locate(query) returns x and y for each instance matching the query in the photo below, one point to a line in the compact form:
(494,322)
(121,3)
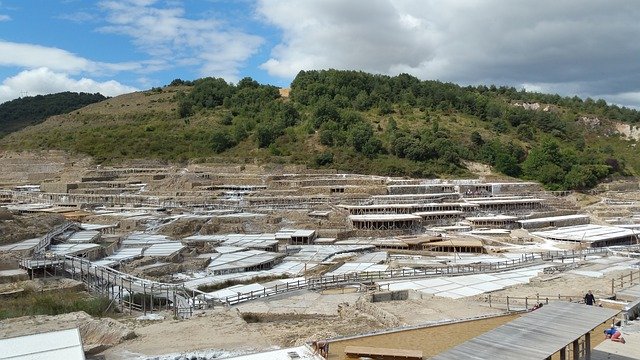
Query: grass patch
(52,303)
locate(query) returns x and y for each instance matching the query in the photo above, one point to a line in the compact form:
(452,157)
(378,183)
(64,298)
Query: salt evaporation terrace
(220,236)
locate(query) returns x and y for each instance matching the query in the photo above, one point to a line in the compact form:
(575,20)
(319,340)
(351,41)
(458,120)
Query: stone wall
(390,296)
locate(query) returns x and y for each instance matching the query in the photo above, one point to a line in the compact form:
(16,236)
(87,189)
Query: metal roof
(536,335)
(54,345)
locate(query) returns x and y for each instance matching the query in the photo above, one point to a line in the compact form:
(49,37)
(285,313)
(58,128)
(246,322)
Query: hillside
(356,122)
(20,113)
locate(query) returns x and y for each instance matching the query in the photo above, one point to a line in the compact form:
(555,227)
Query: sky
(588,48)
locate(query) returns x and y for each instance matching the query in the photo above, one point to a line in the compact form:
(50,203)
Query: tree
(476,139)
(507,164)
(360,134)
(266,134)
(323,159)
(221,140)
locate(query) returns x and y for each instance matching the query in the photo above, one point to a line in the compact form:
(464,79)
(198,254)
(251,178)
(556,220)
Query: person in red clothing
(614,334)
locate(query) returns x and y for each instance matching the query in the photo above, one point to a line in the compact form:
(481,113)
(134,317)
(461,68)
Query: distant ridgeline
(20,113)
(358,122)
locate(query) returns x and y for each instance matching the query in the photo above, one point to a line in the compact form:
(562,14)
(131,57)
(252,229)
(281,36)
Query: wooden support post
(144,298)
(508,303)
(576,350)
(587,346)
(563,353)
(121,293)
(175,304)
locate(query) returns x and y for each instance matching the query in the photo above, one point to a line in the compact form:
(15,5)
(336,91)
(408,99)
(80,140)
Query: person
(537,306)
(614,334)
(321,347)
(589,299)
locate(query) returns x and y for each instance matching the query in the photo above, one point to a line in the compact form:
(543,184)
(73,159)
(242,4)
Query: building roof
(586,233)
(241,260)
(553,218)
(320,253)
(253,241)
(384,217)
(420,239)
(163,249)
(23,245)
(436,213)
(505,201)
(87,236)
(536,335)
(68,249)
(54,345)
(457,242)
(493,218)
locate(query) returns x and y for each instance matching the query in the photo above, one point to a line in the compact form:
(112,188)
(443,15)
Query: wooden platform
(382,353)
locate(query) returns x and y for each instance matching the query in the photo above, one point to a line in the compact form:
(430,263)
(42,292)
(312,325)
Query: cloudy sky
(570,47)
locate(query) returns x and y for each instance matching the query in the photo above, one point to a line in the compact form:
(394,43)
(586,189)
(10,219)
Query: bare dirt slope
(18,227)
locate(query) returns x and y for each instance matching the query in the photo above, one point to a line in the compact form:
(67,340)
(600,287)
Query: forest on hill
(359,122)
(22,112)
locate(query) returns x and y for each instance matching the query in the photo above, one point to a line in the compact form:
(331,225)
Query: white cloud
(78,16)
(4,17)
(34,56)
(166,33)
(46,81)
(372,36)
(31,56)
(574,45)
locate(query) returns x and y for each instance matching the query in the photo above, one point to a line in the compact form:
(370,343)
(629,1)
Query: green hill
(357,122)
(20,113)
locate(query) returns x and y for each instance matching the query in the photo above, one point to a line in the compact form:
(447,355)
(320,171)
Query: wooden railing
(328,281)
(79,267)
(630,279)
(123,287)
(45,241)
(520,303)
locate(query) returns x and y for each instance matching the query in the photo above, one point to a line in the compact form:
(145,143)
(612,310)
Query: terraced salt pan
(467,285)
